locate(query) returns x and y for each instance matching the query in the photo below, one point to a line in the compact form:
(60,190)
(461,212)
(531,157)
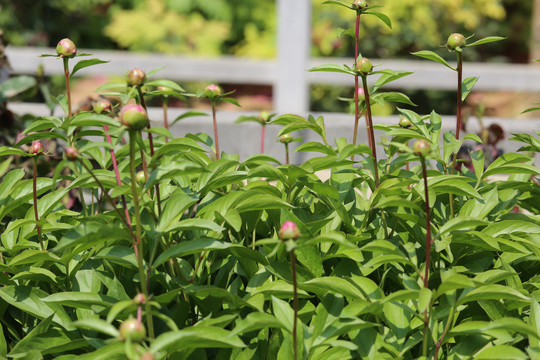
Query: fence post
(291,88)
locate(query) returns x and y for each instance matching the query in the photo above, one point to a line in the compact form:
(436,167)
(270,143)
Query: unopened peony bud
(133,330)
(456,41)
(360,4)
(421,148)
(102,106)
(404,122)
(361,95)
(141,179)
(136,77)
(364,66)
(289,231)
(285,139)
(263,117)
(36,148)
(66,48)
(214,89)
(72,153)
(134,117)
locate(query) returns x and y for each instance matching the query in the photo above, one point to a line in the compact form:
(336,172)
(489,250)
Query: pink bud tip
(36,148)
(289,231)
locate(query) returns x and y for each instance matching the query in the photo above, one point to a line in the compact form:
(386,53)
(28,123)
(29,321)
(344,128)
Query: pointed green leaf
(430,55)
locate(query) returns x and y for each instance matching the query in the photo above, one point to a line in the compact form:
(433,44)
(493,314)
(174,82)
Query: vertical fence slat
(291,89)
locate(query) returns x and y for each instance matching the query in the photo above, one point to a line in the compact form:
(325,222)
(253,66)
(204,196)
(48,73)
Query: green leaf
(467,87)
(283,313)
(385,19)
(332,284)
(333,68)
(500,352)
(98,325)
(493,292)
(92,119)
(165,83)
(79,299)
(190,247)
(256,321)
(188,114)
(86,63)
(486,40)
(15,86)
(430,55)
(195,337)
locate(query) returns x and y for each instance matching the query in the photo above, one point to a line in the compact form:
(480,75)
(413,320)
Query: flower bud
(456,41)
(102,106)
(361,95)
(364,66)
(133,117)
(136,77)
(289,231)
(72,153)
(66,48)
(264,116)
(133,330)
(147,356)
(213,89)
(141,179)
(404,122)
(421,148)
(285,139)
(140,298)
(360,4)
(36,148)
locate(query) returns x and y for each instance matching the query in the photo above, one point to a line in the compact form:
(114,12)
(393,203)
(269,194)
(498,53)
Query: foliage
(189,261)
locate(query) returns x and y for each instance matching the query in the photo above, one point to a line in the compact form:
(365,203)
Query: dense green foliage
(405,257)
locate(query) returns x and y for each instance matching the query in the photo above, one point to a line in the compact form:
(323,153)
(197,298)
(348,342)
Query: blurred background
(248,29)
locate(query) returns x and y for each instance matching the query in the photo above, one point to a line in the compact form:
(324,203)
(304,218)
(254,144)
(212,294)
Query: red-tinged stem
(119,182)
(150,138)
(262,138)
(459,101)
(428,252)
(35,205)
(215,129)
(287,154)
(68,91)
(446,328)
(295,305)
(138,227)
(165,114)
(371,135)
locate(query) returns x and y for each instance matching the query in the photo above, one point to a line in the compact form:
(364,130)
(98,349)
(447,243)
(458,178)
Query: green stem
(138,229)
(295,305)
(165,114)
(371,135)
(36,215)
(446,328)
(459,70)
(287,154)
(356,105)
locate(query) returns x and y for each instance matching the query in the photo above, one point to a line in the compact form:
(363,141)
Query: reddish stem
(68,92)
(459,101)
(215,129)
(35,204)
(371,135)
(356,105)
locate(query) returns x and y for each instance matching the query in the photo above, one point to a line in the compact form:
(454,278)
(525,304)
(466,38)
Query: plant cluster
(174,249)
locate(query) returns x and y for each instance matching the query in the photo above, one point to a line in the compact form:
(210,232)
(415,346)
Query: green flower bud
(361,95)
(66,48)
(456,41)
(141,179)
(285,139)
(136,77)
(102,106)
(134,117)
(360,4)
(421,148)
(364,66)
(264,116)
(133,330)
(404,122)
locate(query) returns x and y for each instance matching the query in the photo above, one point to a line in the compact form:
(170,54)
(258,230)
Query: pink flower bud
(361,95)
(289,231)
(140,298)
(214,89)
(102,106)
(360,4)
(72,153)
(133,117)
(36,148)
(66,48)
(421,148)
(285,139)
(136,77)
